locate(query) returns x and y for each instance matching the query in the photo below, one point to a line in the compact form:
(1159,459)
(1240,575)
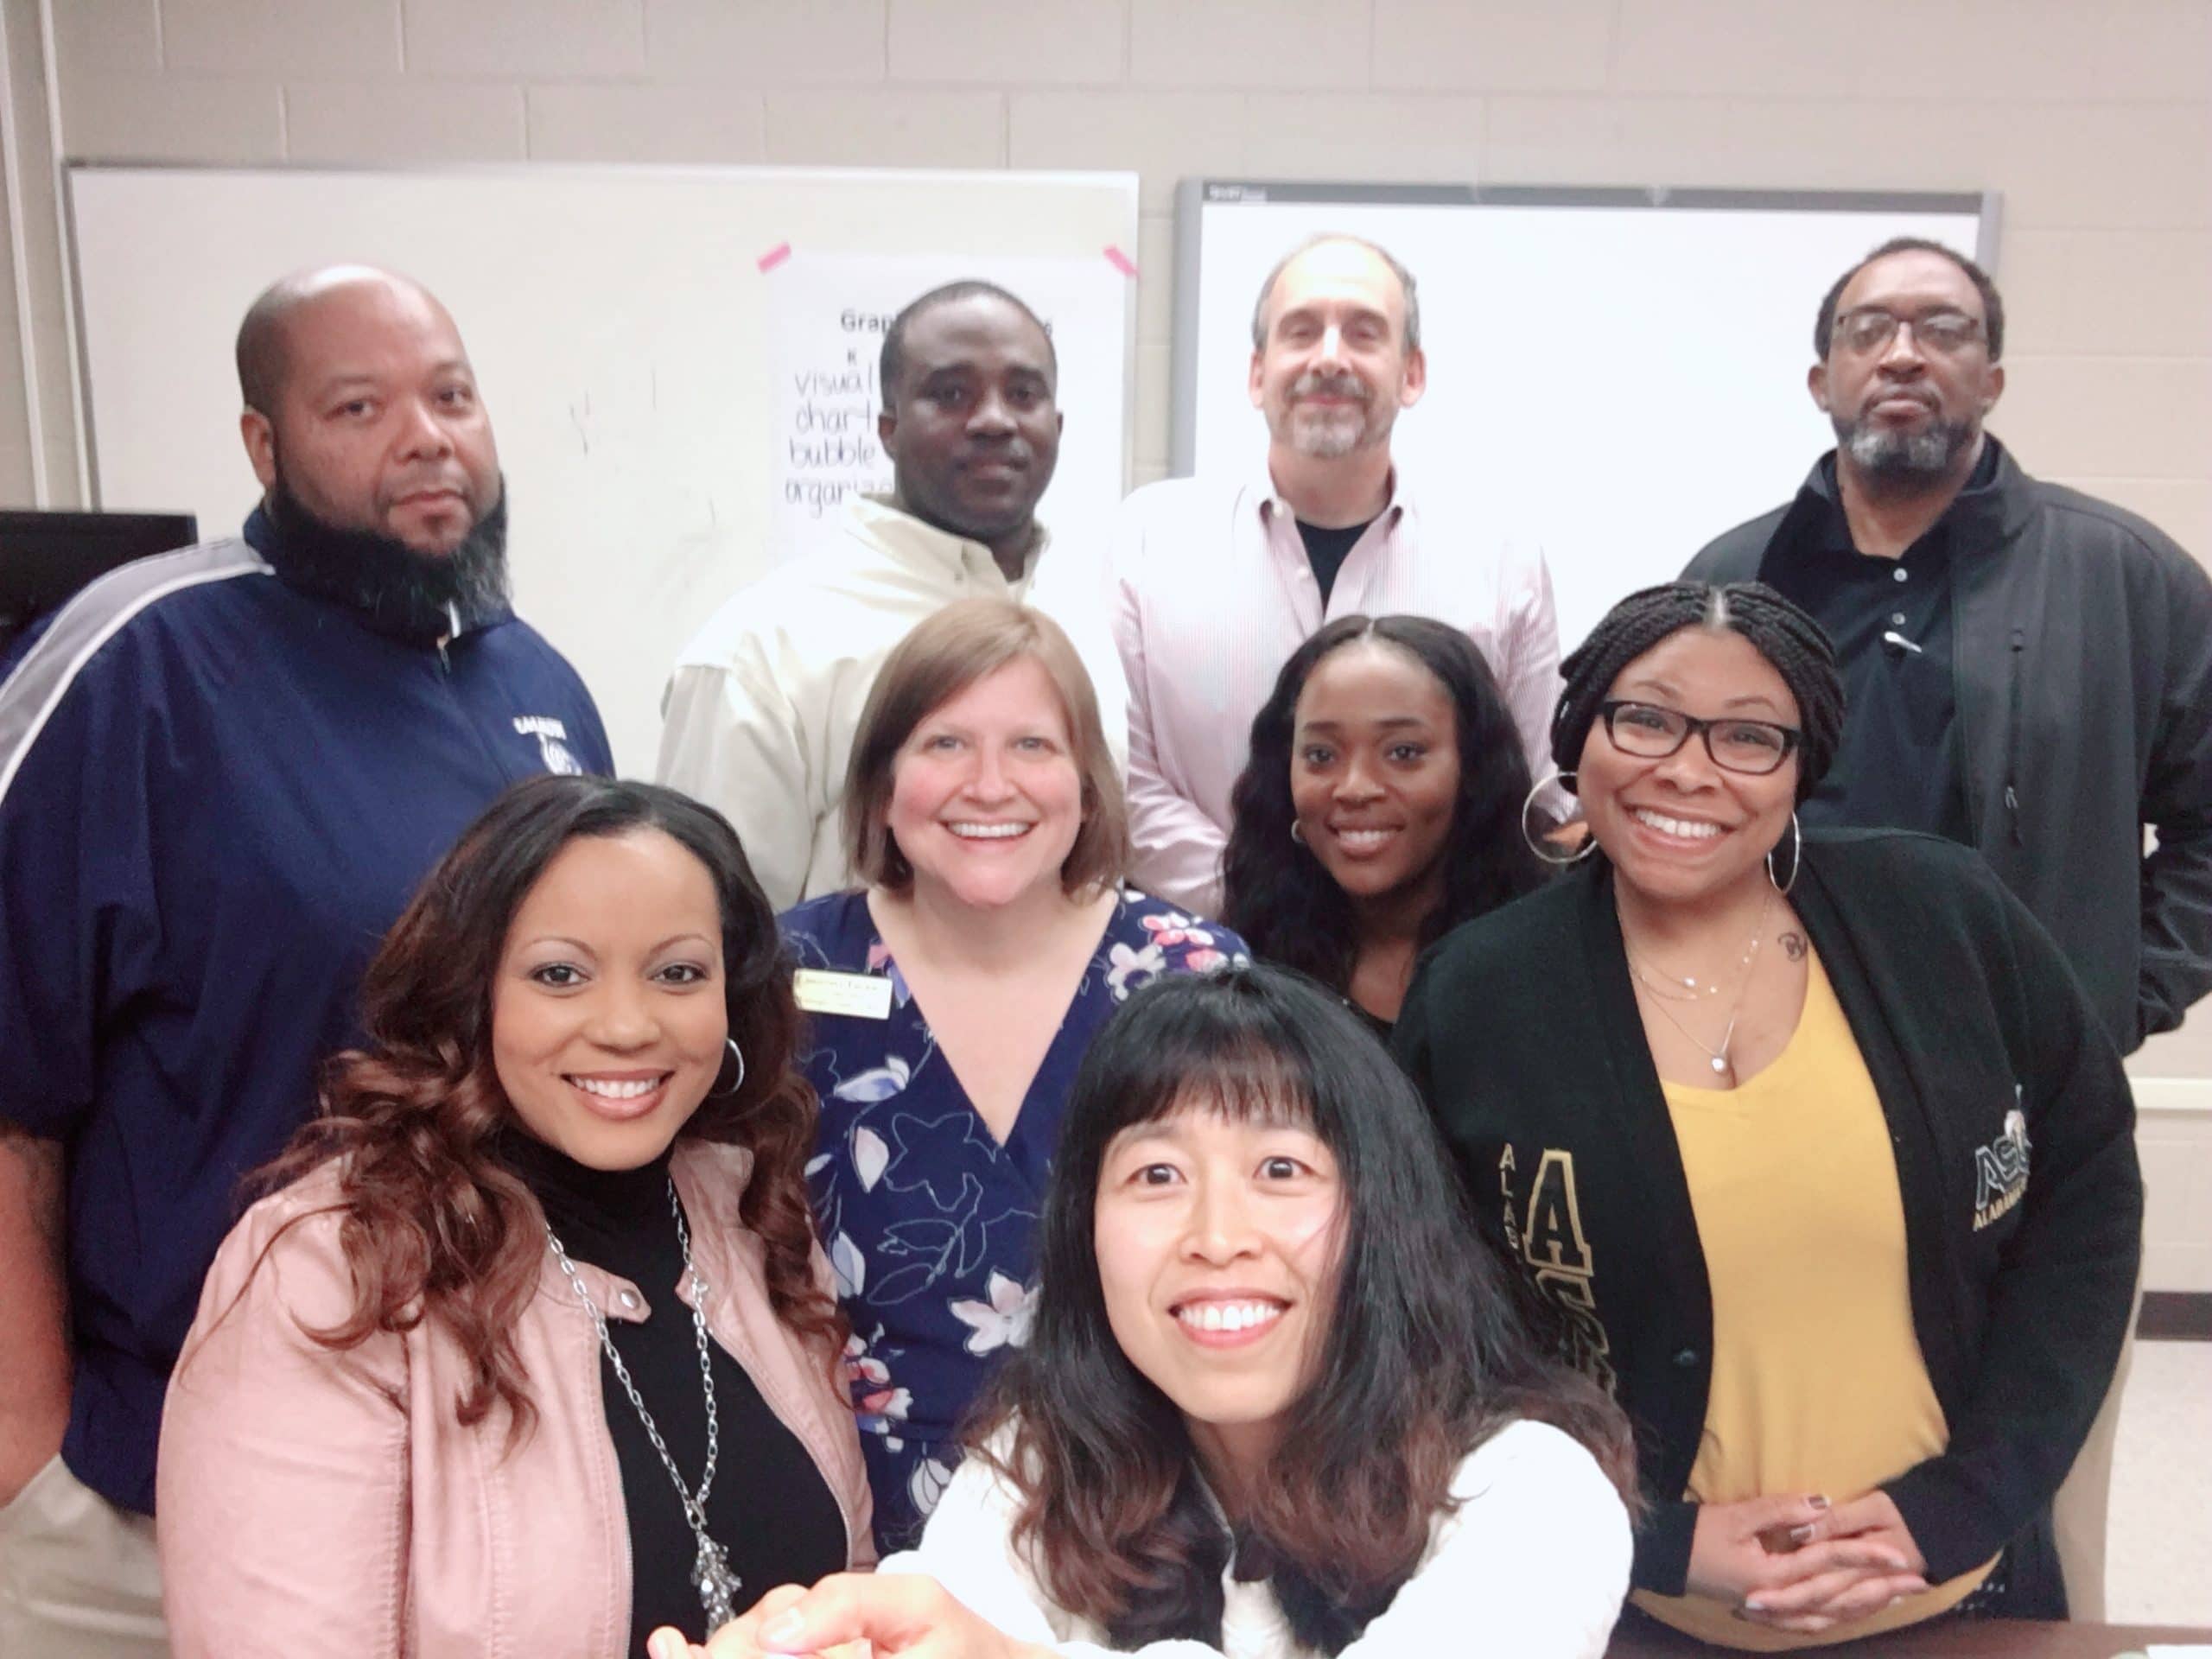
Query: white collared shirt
(1213,591)
(760,712)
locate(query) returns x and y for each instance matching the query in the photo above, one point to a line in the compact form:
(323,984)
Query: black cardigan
(1522,1032)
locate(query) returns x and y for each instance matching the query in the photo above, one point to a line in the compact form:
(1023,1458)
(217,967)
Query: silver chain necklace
(711,1574)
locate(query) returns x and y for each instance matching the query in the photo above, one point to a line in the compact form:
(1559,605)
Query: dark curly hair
(1785,636)
(436,1225)
(1423,1357)
(1277,894)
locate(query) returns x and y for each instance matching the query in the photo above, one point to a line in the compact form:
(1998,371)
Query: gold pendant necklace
(1691,990)
(1716,1058)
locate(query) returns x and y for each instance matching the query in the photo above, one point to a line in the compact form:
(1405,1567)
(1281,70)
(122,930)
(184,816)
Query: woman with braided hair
(1810,1144)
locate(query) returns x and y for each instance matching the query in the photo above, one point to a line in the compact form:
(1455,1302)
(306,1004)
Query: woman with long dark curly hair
(1276,1402)
(1380,808)
(531,1347)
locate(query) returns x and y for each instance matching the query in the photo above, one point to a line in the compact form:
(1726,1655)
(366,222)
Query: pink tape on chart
(1120,261)
(774,256)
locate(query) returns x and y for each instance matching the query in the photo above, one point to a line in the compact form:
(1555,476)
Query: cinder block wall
(2095,122)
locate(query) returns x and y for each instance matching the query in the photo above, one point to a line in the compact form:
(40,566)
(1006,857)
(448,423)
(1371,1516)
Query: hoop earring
(1796,860)
(1536,843)
(724,1094)
(1298,832)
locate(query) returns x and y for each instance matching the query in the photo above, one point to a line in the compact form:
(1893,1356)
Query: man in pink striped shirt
(1217,581)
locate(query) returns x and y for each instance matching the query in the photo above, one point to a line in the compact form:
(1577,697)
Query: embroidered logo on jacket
(552,743)
(1549,1237)
(2001,1169)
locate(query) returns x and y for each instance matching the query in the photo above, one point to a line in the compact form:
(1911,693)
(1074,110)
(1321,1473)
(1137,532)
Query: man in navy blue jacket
(222,772)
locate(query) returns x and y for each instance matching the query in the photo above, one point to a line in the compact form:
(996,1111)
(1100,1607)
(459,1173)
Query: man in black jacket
(2029,670)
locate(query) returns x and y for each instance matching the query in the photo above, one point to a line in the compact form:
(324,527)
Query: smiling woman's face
(1375,769)
(1218,1244)
(1680,828)
(986,796)
(608,1016)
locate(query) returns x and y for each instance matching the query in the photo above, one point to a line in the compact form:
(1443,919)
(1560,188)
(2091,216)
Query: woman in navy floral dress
(950,1001)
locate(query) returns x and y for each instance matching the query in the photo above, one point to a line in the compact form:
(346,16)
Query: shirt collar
(1975,497)
(1396,505)
(926,545)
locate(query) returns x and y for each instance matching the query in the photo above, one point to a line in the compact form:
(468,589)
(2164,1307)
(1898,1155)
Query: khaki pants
(2080,1513)
(78,1579)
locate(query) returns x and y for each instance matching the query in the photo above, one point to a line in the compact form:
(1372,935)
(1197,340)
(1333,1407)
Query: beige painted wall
(36,372)
(2095,123)
(16,481)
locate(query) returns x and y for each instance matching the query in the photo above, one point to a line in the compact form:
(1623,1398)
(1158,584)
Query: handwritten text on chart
(831,447)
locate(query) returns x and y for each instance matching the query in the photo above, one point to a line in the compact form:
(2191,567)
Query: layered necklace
(1682,988)
(717,1582)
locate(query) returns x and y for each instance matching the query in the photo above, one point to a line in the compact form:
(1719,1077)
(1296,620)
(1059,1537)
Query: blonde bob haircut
(944,655)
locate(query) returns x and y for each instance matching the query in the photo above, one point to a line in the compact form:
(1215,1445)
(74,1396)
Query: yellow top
(1818,1383)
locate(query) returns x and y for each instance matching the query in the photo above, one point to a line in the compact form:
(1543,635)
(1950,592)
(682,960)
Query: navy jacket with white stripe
(216,793)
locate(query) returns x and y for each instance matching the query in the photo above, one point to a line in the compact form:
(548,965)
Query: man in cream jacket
(760,712)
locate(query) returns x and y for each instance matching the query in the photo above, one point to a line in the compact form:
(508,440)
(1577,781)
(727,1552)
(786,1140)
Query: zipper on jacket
(465,710)
(2012,738)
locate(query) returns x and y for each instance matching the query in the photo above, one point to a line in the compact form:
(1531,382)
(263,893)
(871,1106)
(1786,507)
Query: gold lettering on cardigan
(1551,1241)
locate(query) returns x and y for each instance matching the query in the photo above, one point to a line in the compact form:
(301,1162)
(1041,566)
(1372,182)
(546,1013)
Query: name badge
(864,996)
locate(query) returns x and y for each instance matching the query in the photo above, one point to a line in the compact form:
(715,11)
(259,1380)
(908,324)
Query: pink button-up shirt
(1213,592)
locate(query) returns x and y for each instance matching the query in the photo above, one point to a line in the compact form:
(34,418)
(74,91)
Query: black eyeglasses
(1650,733)
(1869,329)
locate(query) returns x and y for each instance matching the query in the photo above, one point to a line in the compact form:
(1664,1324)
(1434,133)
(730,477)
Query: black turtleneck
(770,1509)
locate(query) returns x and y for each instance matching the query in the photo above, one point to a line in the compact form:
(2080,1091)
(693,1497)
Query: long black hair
(1423,1357)
(1278,895)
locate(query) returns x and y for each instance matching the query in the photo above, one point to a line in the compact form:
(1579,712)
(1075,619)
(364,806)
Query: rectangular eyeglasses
(1651,733)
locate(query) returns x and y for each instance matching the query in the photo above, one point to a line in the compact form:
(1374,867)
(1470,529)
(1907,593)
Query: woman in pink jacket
(533,1353)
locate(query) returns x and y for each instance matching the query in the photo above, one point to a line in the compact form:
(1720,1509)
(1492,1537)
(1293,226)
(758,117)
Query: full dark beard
(423,597)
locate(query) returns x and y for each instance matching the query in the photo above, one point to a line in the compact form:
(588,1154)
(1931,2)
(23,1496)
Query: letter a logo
(1553,1235)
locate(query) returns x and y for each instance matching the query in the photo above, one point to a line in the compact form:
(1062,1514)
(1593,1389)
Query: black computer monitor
(46,557)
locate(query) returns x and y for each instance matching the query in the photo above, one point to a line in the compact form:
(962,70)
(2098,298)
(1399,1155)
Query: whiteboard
(1616,376)
(627,325)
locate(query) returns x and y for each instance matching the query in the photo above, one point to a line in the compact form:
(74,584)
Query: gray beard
(1905,456)
(1333,437)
